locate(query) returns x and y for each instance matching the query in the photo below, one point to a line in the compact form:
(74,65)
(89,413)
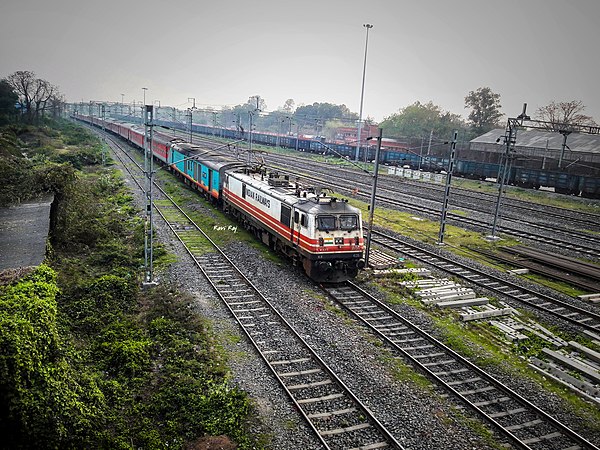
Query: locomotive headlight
(339,241)
(356,240)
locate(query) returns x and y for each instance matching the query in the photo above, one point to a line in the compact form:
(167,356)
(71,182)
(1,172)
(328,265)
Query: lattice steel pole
(447,189)
(372,205)
(149,171)
(510,138)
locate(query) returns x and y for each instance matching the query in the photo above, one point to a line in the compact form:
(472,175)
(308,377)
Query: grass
(456,239)
(556,285)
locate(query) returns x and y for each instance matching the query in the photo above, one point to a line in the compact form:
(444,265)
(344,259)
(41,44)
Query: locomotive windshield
(326,223)
(348,222)
(345,222)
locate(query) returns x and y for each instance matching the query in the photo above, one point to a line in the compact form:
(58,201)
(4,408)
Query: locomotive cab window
(296,217)
(286,213)
(303,220)
(326,223)
(348,222)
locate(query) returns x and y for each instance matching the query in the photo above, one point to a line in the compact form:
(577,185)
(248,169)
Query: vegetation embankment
(87,359)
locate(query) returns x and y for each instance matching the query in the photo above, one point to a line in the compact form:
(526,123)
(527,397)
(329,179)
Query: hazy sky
(222,52)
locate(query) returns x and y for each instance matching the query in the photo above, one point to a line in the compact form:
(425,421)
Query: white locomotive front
(321,232)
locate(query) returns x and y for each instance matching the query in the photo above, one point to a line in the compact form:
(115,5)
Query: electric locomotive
(318,231)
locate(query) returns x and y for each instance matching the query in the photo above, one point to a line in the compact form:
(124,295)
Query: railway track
(589,221)
(578,243)
(561,310)
(339,419)
(570,271)
(336,416)
(434,193)
(522,423)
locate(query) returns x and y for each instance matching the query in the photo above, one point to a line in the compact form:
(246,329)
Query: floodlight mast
(368,26)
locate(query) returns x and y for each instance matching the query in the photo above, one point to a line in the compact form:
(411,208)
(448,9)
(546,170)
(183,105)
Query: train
(319,232)
(563,181)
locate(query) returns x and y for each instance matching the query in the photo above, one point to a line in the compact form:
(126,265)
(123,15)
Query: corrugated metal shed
(577,142)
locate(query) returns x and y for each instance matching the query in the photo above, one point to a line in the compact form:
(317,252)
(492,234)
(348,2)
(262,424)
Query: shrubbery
(87,359)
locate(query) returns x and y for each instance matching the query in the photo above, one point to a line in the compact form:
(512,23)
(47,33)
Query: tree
(419,119)
(33,93)
(324,112)
(565,112)
(8,101)
(255,102)
(289,105)
(312,118)
(485,105)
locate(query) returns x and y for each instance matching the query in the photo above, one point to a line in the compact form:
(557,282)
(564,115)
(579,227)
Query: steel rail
(389,332)
(587,319)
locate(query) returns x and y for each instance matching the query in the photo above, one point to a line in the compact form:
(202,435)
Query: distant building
(540,150)
(349,135)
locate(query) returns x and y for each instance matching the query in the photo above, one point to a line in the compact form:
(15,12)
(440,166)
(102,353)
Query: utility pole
(429,145)
(447,190)
(564,146)
(510,139)
(251,114)
(189,116)
(190,110)
(420,153)
(372,205)
(149,172)
(103,131)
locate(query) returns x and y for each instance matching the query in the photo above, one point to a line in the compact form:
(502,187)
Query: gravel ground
(419,419)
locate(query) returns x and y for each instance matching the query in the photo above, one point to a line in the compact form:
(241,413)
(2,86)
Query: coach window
(348,222)
(326,223)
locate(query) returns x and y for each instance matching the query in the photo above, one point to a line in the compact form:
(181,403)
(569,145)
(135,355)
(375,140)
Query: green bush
(45,402)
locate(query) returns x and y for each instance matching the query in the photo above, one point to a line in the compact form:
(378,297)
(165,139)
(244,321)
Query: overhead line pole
(372,204)
(447,189)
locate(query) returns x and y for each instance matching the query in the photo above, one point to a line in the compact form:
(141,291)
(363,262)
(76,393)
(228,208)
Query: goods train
(320,232)
(563,182)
